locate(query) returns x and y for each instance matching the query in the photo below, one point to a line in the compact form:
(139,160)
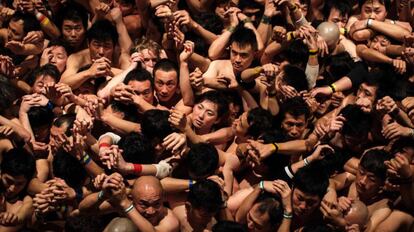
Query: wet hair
(140,75)
(244,37)
(386,3)
(218,98)
(45,70)
(155,125)
(30,22)
(260,121)
(66,119)
(344,8)
(73,12)
(206,195)
(295,77)
(312,179)
(272,205)
(297,53)
(40,116)
(202,160)
(296,107)
(357,122)
(103,30)
(166,65)
(68,168)
(130,113)
(7,93)
(18,161)
(373,161)
(137,149)
(229,226)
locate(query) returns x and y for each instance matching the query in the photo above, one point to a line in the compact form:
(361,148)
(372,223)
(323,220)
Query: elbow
(213,55)
(359,36)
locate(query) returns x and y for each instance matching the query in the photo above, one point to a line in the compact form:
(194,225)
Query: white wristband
(369,23)
(164,169)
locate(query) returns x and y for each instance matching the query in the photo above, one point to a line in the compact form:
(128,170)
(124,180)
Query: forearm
(362,35)
(343,84)
(251,74)
(122,125)
(105,92)
(185,86)
(20,131)
(174,185)
(372,55)
(47,25)
(22,85)
(93,169)
(312,71)
(76,80)
(247,204)
(392,30)
(208,36)
(90,204)
(25,210)
(199,61)
(217,137)
(24,120)
(219,45)
(265,30)
(273,49)
(125,42)
(394,50)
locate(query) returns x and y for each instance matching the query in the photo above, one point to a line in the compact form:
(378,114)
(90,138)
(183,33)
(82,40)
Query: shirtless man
(146,210)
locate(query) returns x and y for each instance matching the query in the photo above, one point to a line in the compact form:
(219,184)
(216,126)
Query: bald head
(145,183)
(329,32)
(120,225)
(357,214)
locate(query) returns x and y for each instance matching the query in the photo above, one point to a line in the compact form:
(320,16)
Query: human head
(253,123)
(371,174)
(356,126)
(148,196)
(136,149)
(165,80)
(61,127)
(20,24)
(266,214)
(17,169)
(150,51)
(120,224)
(310,185)
(43,76)
(7,94)
(243,49)
(57,55)
(155,126)
(337,11)
(329,31)
(374,9)
(404,146)
(142,83)
(357,214)
(294,117)
(251,9)
(202,161)
(102,39)
(73,22)
(203,201)
(40,118)
(228,226)
(295,77)
(210,108)
(379,43)
(68,168)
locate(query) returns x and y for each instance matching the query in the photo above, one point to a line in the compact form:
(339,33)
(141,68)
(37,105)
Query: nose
(201,115)
(238,59)
(302,206)
(150,211)
(53,59)
(294,132)
(72,33)
(101,51)
(164,89)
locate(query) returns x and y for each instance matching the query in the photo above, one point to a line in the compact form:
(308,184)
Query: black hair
(357,122)
(136,149)
(312,179)
(388,82)
(73,12)
(260,121)
(45,70)
(84,223)
(339,65)
(229,226)
(296,107)
(68,168)
(139,74)
(218,98)
(7,93)
(297,53)
(30,22)
(202,160)
(166,65)
(40,116)
(271,204)
(249,3)
(18,161)
(205,194)
(318,228)
(244,37)
(386,3)
(103,30)
(344,8)
(401,143)
(68,120)
(155,124)
(130,113)
(373,161)
(295,77)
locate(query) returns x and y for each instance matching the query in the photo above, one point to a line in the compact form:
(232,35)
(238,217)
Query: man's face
(57,136)
(199,215)
(379,43)
(366,183)
(144,89)
(73,32)
(13,185)
(302,6)
(150,59)
(293,127)
(336,17)
(304,204)
(39,86)
(241,57)
(15,30)
(373,9)
(257,221)
(99,49)
(166,84)
(241,125)
(252,13)
(58,57)
(148,202)
(204,115)
(366,96)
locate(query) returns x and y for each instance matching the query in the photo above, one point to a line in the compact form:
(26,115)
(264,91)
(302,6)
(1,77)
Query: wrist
(124,204)
(231,28)
(369,23)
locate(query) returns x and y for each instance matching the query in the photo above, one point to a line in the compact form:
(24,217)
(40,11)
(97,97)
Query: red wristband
(104,145)
(137,168)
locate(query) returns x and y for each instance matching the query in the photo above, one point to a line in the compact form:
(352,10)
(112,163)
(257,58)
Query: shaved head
(357,214)
(121,225)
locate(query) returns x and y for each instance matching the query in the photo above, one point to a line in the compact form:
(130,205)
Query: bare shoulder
(169,223)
